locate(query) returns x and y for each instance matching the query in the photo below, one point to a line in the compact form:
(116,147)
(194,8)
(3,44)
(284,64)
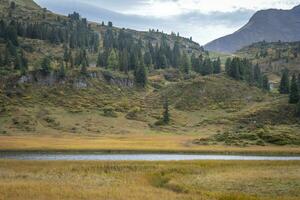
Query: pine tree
(148,60)
(140,74)
(124,61)
(265,83)
(176,55)
(113,61)
(11,49)
(298,82)
(186,63)
(6,61)
(228,66)
(66,55)
(166,114)
(46,66)
(18,63)
(71,60)
(24,61)
(294,92)
(298,109)
(284,87)
(235,69)
(62,71)
(84,69)
(217,66)
(12,5)
(1,61)
(99,63)
(207,67)
(257,76)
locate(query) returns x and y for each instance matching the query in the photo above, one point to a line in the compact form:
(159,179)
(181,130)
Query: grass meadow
(207,180)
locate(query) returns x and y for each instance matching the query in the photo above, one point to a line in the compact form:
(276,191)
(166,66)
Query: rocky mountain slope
(267,25)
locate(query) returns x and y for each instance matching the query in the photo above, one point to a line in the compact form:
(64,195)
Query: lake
(135,157)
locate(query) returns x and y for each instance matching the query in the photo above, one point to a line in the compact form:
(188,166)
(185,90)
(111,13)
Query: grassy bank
(207,180)
(133,143)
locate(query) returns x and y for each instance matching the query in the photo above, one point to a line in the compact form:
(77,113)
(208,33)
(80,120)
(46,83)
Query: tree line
(291,86)
(244,70)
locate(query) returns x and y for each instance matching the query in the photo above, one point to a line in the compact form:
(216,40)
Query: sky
(203,20)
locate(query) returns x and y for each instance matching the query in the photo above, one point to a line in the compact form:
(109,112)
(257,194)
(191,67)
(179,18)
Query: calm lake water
(135,157)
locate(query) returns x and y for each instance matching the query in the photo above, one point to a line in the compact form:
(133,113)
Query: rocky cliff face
(267,25)
(75,81)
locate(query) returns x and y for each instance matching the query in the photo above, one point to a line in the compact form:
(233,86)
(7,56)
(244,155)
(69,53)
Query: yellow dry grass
(141,143)
(207,180)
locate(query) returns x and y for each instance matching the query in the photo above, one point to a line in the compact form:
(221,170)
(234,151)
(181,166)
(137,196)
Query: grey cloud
(187,24)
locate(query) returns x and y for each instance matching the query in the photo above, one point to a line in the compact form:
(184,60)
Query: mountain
(267,25)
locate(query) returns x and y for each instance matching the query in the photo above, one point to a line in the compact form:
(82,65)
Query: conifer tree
(235,69)
(113,61)
(298,82)
(66,55)
(62,71)
(298,109)
(140,74)
(148,60)
(284,87)
(18,63)
(99,63)
(207,67)
(265,83)
(46,66)
(217,66)
(257,76)
(11,48)
(186,63)
(1,61)
(176,55)
(84,69)
(294,92)
(228,66)
(71,60)
(166,114)
(12,5)
(124,61)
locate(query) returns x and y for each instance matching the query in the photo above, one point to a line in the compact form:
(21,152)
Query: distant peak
(296,8)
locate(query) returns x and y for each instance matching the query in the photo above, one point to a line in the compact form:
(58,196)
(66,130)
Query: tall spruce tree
(140,74)
(284,87)
(62,71)
(294,92)
(46,66)
(298,82)
(265,83)
(207,67)
(228,66)
(257,76)
(176,55)
(113,61)
(186,63)
(298,109)
(217,66)
(166,114)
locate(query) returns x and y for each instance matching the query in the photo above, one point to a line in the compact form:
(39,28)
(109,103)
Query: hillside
(274,57)
(65,76)
(27,13)
(266,25)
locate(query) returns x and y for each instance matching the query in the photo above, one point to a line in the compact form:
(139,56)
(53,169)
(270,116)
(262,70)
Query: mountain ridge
(266,25)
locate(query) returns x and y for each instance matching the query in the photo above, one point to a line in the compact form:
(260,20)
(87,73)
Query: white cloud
(204,20)
(167,8)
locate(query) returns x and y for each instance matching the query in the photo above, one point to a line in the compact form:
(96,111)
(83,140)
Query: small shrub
(133,113)
(109,111)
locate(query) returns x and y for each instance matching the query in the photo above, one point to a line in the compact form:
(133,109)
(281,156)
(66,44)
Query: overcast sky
(204,20)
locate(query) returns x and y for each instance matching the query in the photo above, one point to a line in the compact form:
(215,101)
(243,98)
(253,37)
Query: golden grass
(142,143)
(207,180)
